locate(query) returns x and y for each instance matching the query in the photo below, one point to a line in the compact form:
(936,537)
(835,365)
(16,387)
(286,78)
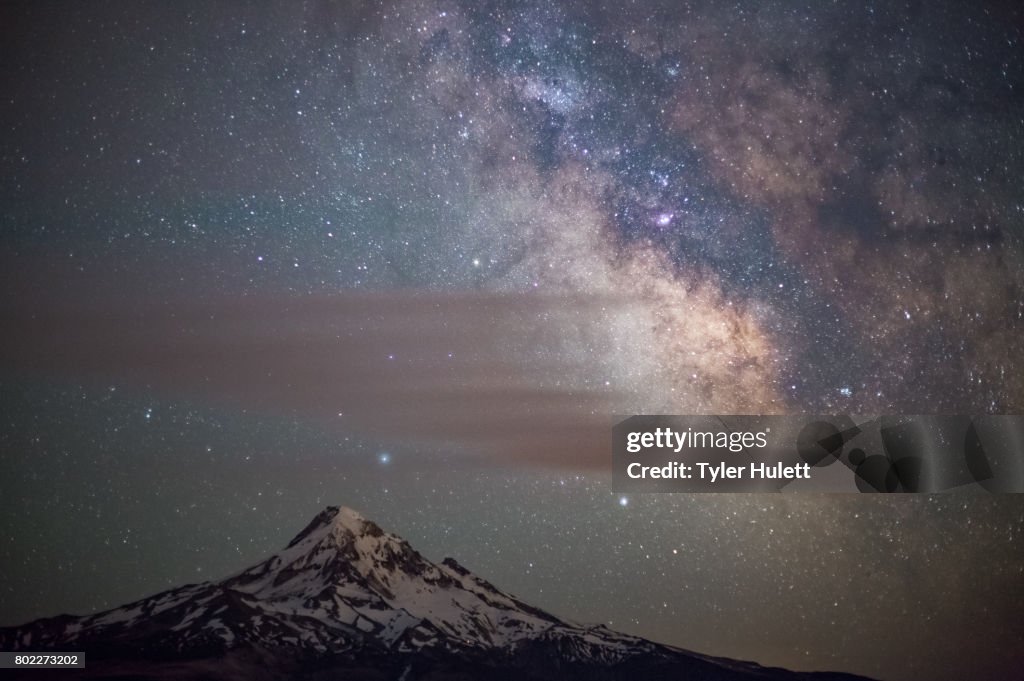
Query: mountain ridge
(346,597)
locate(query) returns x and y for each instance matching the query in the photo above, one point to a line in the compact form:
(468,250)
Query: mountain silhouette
(347,600)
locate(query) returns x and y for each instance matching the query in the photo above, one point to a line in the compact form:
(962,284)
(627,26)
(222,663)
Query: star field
(414,257)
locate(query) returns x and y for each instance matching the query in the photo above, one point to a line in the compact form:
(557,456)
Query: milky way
(415,257)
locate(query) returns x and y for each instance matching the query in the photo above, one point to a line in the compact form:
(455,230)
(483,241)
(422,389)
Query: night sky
(416,257)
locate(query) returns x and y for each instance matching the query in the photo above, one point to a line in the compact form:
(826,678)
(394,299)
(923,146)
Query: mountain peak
(342,522)
(340,546)
(346,514)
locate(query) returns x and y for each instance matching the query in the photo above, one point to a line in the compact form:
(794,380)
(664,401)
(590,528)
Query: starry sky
(416,257)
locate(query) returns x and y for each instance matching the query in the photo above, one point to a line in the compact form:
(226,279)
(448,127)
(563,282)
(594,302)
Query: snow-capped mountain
(346,599)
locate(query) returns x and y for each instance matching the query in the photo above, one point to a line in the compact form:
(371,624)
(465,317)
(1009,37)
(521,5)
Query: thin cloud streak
(473,373)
